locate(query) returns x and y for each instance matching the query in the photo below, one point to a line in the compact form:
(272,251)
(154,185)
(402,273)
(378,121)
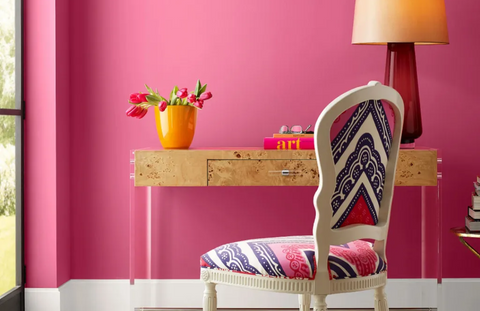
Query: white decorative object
(365,145)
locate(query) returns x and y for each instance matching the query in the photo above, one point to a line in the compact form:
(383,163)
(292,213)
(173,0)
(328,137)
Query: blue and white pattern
(293,257)
(360,151)
(373,109)
(231,256)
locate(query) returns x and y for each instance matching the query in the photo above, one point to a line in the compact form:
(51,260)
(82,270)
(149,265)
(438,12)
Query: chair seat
(293,257)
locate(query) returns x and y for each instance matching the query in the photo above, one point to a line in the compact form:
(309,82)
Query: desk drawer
(262,172)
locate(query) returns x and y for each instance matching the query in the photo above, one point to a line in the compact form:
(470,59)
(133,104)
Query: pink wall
(267,64)
(40,146)
(63,139)
(47,144)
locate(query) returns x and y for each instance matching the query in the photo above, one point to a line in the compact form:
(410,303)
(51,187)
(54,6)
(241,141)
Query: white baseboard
(40,299)
(119,295)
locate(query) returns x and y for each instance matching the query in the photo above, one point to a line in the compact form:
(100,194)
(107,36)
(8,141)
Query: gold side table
(462,232)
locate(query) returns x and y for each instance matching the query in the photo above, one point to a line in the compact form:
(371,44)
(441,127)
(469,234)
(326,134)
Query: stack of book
(472,220)
(289,142)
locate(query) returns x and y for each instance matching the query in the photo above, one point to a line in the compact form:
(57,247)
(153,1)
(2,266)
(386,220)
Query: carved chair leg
(304,301)
(380,299)
(319,303)
(210,297)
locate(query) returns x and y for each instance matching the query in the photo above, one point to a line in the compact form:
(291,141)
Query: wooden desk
(259,167)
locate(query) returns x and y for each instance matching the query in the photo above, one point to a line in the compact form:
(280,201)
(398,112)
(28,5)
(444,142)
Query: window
(11,157)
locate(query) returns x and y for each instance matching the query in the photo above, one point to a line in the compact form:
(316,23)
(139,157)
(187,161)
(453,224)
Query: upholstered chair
(357,139)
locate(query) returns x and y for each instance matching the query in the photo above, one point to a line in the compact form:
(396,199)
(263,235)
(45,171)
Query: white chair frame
(323,234)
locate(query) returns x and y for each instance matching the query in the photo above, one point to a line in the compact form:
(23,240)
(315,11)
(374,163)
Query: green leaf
(149,90)
(203,89)
(153,98)
(172,96)
(197,88)
(163,99)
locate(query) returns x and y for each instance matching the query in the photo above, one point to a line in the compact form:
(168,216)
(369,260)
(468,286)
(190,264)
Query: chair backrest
(357,169)
(361,138)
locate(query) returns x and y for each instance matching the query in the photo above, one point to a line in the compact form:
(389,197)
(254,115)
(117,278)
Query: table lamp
(400,24)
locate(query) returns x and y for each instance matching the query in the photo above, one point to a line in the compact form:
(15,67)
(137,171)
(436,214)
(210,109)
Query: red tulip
(134,98)
(142,113)
(206,96)
(198,104)
(142,97)
(136,112)
(191,98)
(130,111)
(182,93)
(162,106)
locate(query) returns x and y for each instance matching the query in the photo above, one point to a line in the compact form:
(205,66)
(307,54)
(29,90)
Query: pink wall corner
(63,139)
(40,145)
(47,144)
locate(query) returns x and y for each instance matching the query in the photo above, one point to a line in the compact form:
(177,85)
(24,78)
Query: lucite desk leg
(431,247)
(440,296)
(149,233)
(131,267)
(140,233)
(440,219)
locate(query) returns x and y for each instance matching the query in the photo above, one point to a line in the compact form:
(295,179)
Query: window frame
(15,298)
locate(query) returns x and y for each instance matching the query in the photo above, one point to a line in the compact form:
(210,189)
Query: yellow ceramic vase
(176,126)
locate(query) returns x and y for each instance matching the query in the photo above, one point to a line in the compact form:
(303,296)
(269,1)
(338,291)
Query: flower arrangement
(142,101)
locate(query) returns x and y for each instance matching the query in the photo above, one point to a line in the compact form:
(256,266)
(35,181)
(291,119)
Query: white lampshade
(396,21)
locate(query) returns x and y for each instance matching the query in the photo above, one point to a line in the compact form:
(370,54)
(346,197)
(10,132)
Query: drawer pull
(284,172)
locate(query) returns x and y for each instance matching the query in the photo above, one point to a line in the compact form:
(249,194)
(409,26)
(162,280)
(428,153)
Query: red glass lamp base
(407,145)
(401,74)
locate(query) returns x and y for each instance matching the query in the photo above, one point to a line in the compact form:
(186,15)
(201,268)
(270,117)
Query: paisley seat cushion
(293,257)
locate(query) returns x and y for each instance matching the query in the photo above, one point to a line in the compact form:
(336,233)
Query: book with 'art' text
(289,143)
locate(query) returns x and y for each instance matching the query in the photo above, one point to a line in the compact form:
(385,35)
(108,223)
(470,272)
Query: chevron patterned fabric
(360,148)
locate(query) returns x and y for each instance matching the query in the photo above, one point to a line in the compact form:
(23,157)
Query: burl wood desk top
(259,167)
